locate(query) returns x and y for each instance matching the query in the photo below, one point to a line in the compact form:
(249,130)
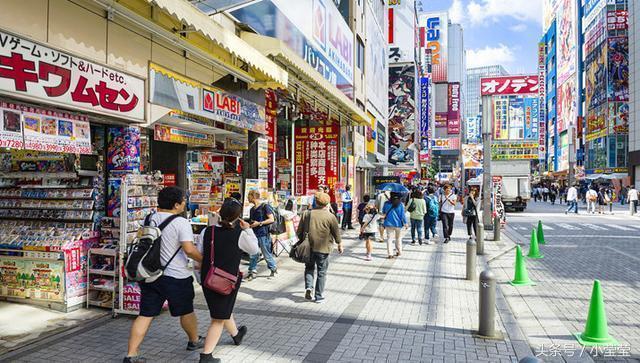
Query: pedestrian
(176,283)
(223,245)
(447,204)
(382,198)
(417,208)
(601,200)
(394,220)
(572,199)
(431,217)
(552,194)
(323,231)
(632,198)
(470,212)
(361,208)
(347,207)
(261,216)
(545,193)
(368,229)
(623,194)
(592,199)
(609,197)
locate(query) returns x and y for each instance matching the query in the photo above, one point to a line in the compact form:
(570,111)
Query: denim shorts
(178,292)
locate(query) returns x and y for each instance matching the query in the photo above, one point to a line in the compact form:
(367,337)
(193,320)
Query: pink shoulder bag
(219,280)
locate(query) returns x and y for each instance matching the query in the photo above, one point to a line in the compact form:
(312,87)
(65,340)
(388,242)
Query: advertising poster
(232,184)
(516,118)
(376,59)
(498,206)
(618,83)
(617,20)
(123,148)
(474,134)
(542,101)
(531,117)
(13,278)
(441,119)
(424,119)
(450,143)
(453,119)
(596,123)
(11,127)
(401,29)
(45,280)
(472,156)
(180,136)
(402,116)
(271,118)
(619,117)
(549,12)
(596,77)
(131,296)
(501,118)
(316,157)
(563,163)
(433,37)
(567,39)
(567,104)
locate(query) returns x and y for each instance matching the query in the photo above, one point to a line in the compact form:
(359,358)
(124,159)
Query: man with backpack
(175,283)
(431,217)
(262,216)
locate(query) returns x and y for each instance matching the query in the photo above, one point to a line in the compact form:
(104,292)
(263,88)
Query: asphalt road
(579,249)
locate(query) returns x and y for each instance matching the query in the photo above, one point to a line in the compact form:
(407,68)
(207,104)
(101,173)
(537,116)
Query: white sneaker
(436,236)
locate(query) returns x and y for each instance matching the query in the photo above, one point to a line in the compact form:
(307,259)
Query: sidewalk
(415,308)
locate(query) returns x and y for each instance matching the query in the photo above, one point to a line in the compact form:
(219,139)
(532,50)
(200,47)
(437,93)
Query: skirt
(221,306)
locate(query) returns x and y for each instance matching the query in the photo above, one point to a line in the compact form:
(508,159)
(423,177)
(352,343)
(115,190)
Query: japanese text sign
(509,85)
(56,77)
(316,157)
(617,20)
(453,119)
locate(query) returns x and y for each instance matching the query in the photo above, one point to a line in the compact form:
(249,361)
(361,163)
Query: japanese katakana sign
(509,85)
(316,157)
(56,77)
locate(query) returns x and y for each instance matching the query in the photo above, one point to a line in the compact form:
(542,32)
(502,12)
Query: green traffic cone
(596,331)
(521,277)
(534,251)
(540,233)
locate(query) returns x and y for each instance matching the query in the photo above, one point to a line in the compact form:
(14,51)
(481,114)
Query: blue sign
(424,113)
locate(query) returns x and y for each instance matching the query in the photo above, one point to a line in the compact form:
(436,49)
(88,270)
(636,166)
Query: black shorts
(178,292)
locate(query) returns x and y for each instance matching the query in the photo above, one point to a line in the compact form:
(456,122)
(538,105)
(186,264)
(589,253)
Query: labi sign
(219,103)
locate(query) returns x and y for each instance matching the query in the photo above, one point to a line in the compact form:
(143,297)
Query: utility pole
(486,163)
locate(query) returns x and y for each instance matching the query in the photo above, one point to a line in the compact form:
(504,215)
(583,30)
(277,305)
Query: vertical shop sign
(424,119)
(271,118)
(453,118)
(316,157)
(542,100)
(433,37)
(263,159)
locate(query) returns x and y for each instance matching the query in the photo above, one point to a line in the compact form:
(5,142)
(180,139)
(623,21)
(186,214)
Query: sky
(504,32)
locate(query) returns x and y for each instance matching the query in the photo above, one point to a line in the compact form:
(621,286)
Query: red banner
(617,20)
(271,118)
(509,85)
(316,157)
(453,117)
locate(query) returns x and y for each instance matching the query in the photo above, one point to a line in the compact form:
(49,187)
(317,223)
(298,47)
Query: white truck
(516,182)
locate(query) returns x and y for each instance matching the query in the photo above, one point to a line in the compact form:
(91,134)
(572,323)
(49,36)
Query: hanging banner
(498,207)
(316,157)
(271,118)
(453,118)
(180,136)
(424,119)
(472,156)
(508,85)
(55,77)
(542,101)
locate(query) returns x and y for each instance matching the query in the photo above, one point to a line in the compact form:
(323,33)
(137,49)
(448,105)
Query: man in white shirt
(347,207)
(447,202)
(632,197)
(592,198)
(176,283)
(572,199)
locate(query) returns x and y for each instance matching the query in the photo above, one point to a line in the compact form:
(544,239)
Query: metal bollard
(496,228)
(471,259)
(480,239)
(487,308)
(631,204)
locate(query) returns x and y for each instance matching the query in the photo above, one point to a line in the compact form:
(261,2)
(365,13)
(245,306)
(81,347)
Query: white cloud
(456,12)
(490,11)
(487,56)
(518,27)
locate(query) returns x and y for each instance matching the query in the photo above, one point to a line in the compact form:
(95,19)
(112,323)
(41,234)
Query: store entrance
(170,159)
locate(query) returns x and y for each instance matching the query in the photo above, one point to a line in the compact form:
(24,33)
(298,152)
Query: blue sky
(502,32)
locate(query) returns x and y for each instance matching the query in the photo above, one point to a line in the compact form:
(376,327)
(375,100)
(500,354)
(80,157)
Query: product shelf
(102,272)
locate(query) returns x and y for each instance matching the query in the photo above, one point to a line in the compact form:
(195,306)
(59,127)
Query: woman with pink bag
(221,248)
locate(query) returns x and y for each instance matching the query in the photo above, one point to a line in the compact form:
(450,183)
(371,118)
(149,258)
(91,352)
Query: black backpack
(277,227)
(143,256)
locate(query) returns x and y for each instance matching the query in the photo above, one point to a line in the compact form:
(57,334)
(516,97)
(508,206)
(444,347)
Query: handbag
(301,251)
(412,206)
(219,280)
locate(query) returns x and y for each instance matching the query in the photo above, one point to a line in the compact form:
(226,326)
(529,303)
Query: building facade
(634,92)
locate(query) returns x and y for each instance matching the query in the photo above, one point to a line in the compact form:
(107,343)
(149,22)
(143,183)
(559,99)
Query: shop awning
(198,21)
(278,50)
(364,164)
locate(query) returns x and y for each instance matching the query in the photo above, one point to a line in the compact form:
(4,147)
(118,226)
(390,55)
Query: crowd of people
(218,250)
(598,198)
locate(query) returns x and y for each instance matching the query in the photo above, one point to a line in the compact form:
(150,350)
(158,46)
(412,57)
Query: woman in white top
(448,201)
(368,228)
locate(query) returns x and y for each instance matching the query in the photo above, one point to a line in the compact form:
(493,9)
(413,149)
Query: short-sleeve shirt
(179,230)
(260,214)
(446,206)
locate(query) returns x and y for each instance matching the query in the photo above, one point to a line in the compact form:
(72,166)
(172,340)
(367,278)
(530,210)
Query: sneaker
(242,331)
(198,344)
(307,295)
(251,276)
(427,242)
(274,272)
(420,242)
(368,257)
(208,358)
(446,240)
(319,300)
(134,359)
(413,242)
(436,236)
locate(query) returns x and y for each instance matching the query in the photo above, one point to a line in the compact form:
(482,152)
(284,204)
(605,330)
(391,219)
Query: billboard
(567,40)
(376,63)
(617,20)
(549,9)
(567,104)
(453,117)
(501,122)
(316,157)
(514,119)
(434,29)
(401,31)
(619,117)
(542,100)
(472,156)
(402,116)
(596,123)
(424,118)
(314,29)
(447,143)
(508,85)
(596,77)
(618,59)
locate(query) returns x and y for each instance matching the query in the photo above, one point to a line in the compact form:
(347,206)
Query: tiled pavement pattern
(417,308)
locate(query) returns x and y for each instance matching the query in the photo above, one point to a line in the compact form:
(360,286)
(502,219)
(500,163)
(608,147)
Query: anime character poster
(619,117)
(567,104)
(618,54)
(596,77)
(123,150)
(567,39)
(402,113)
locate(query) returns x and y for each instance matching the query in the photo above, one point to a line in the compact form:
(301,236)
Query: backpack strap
(161,227)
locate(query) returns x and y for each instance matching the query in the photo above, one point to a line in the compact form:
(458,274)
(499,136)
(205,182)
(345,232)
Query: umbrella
(393,187)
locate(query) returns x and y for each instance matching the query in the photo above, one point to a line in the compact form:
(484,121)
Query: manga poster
(619,117)
(567,104)
(402,114)
(618,54)
(596,77)
(123,150)
(567,40)
(596,122)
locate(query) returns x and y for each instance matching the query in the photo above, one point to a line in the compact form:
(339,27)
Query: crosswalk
(577,227)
